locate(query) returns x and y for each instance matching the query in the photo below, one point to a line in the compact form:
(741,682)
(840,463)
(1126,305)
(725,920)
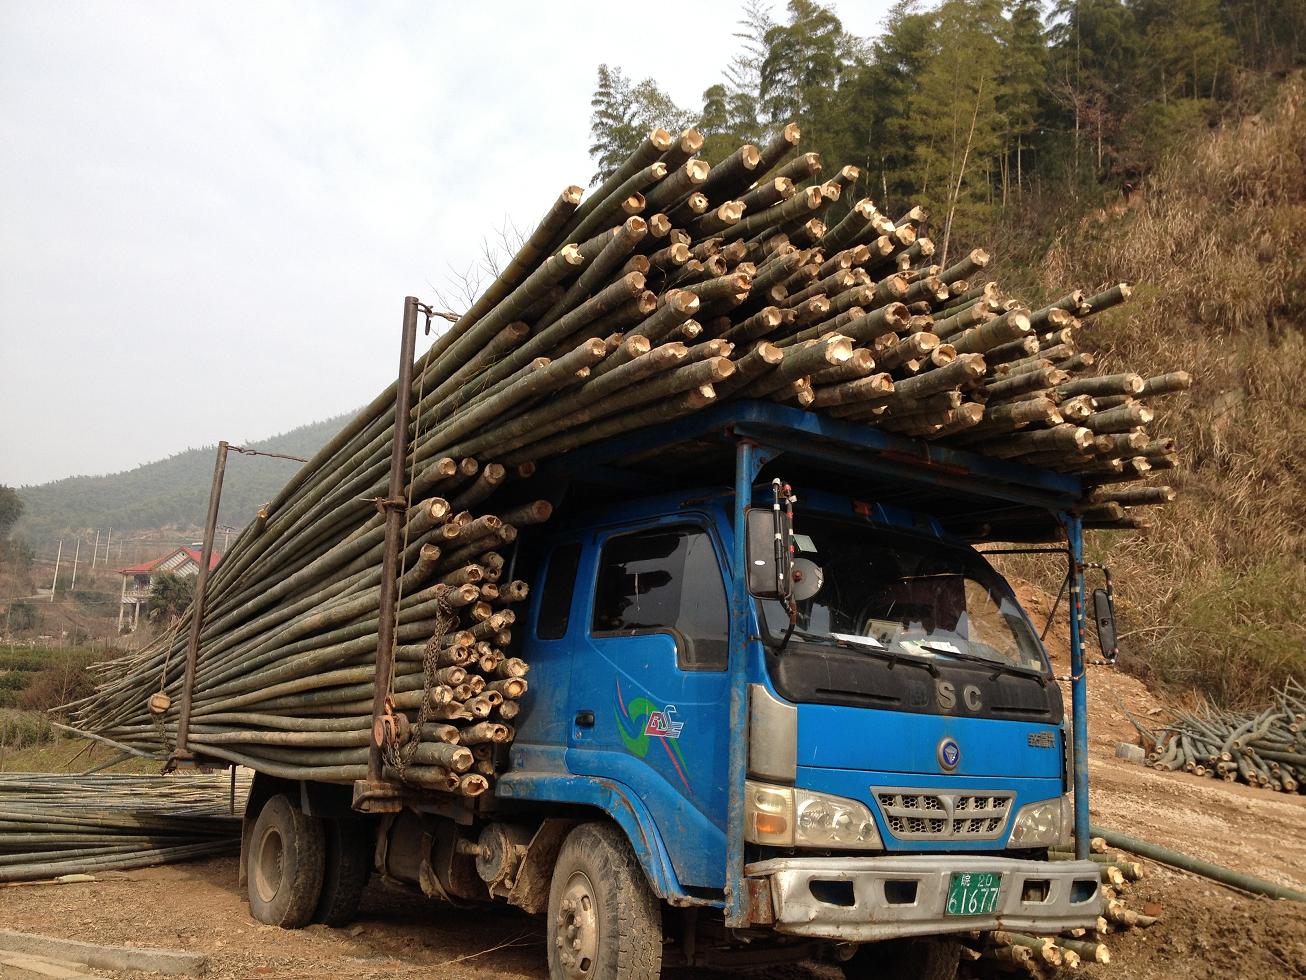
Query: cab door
(648,685)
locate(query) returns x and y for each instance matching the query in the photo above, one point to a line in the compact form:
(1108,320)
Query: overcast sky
(210,213)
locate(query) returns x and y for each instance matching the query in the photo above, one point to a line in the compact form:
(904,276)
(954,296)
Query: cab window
(665,579)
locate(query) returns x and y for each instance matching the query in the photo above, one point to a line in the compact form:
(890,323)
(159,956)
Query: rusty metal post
(182,753)
(394,506)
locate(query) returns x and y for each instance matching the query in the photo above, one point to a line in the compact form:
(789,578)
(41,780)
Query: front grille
(915,815)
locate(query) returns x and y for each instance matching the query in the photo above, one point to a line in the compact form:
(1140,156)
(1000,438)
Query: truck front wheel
(604,920)
(285,865)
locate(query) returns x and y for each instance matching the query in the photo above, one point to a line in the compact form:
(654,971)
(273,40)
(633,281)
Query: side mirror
(1104,611)
(766,579)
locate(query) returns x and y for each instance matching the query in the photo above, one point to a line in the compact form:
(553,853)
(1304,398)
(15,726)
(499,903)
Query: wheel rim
(269,856)
(578,928)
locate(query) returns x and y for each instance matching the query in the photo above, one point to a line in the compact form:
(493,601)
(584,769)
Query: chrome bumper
(846,899)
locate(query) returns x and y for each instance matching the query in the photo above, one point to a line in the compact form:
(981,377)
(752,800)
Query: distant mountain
(172,492)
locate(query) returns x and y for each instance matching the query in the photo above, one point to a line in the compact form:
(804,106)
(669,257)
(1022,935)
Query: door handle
(584,719)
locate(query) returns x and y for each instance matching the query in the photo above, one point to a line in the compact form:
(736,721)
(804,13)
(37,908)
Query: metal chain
(398,756)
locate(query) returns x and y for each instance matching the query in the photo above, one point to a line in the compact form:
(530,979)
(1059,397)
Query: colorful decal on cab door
(643,720)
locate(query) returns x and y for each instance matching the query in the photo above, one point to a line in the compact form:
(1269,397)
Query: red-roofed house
(138,580)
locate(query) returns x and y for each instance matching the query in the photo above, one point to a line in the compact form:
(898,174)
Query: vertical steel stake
(182,753)
(1078,683)
(395,507)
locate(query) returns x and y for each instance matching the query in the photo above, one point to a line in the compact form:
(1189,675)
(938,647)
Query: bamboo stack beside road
(1266,749)
(55,825)
(676,284)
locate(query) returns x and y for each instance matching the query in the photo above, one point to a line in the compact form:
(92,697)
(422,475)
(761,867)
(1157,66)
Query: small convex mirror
(1105,613)
(808,578)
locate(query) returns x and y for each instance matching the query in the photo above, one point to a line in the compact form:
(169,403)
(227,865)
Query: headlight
(782,816)
(1043,824)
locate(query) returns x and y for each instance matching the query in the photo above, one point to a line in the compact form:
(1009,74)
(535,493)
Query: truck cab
(767,723)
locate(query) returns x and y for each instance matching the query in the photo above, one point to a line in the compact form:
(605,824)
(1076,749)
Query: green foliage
(11,508)
(1236,636)
(22,617)
(170,596)
(623,114)
(967,106)
(23,729)
(803,64)
(16,553)
(168,492)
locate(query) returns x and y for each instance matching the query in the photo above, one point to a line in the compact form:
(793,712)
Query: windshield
(905,595)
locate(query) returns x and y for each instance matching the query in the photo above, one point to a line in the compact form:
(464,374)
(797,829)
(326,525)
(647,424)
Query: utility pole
(108,542)
(95,552)
(76,554)
(55,584)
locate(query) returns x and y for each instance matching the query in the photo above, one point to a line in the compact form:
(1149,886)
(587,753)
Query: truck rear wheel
(604,920)
(347,867)
(285,865)
(923,959)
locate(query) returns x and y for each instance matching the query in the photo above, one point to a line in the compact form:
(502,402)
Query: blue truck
(780,707)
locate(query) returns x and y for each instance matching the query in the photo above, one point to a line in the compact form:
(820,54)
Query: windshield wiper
(998,666)
(884,653)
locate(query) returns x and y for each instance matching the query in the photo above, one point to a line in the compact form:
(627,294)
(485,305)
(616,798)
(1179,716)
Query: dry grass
(1212,595)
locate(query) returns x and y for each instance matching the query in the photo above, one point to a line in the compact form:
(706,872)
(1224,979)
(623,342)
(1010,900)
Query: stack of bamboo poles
(57,825)
(674,285)
(1267,749)
(1043,956)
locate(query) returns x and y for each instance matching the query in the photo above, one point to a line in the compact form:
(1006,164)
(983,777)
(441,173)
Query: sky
(210,213)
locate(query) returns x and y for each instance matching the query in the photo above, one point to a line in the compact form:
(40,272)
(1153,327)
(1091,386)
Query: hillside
(170,492)
(1214,242)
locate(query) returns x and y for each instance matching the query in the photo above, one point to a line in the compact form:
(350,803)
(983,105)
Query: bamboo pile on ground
(1265,749)
(675,285)
(1005,952)
(54,825)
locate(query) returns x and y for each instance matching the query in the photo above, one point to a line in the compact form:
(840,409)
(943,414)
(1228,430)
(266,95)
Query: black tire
(285,865)
(619,931)
(348,866)
(921,959)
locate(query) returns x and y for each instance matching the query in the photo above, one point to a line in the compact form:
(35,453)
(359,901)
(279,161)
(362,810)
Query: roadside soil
(1204,930)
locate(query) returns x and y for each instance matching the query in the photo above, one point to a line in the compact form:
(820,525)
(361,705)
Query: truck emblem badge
(949,753)
(639,721)
(661,725)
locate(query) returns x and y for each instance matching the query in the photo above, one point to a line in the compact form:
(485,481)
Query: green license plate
(973,892)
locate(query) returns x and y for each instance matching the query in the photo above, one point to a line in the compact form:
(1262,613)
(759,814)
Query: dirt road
(1205,930)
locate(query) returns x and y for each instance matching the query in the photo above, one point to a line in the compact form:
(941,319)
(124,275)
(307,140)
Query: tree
(1094,58)
(11,508)
(622,115)
(170,596)
(954,117)
(803,65)
(1021,79)
(877,98)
